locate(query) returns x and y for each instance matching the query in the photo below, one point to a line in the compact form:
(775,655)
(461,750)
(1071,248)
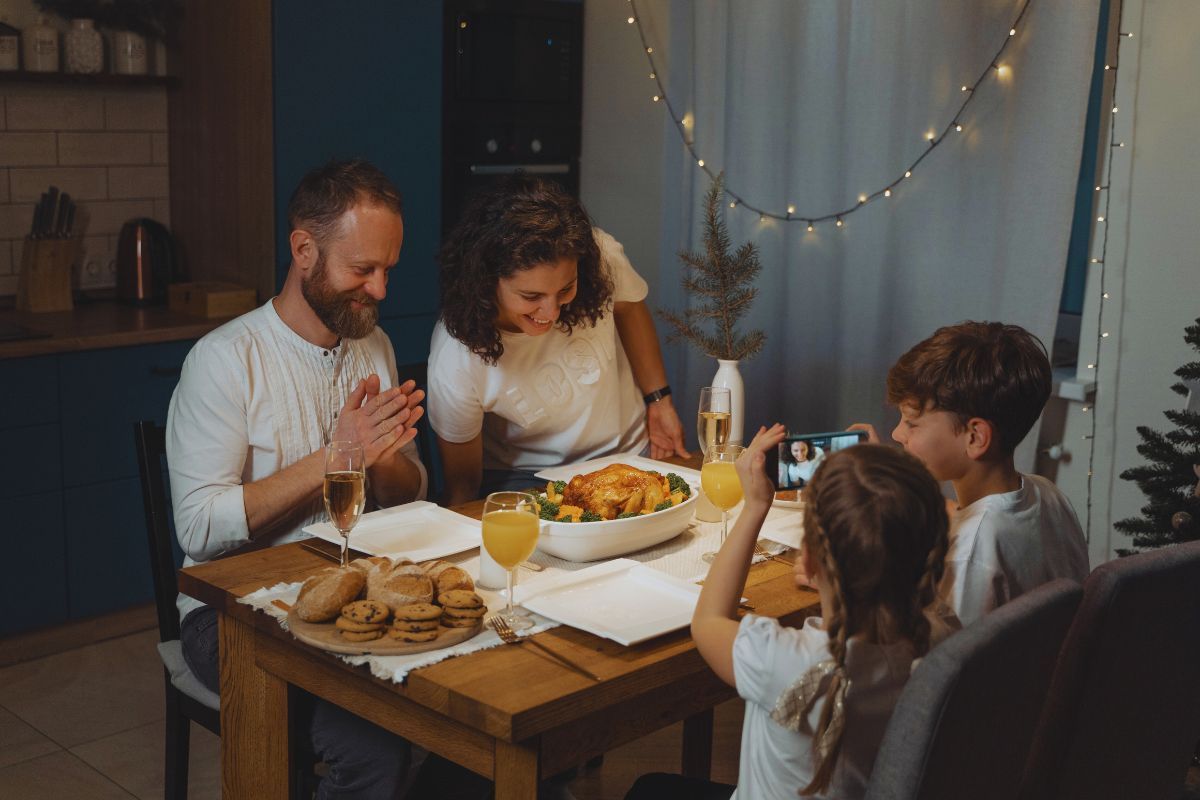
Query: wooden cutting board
(325,636)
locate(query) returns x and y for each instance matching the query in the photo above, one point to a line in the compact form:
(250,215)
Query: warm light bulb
(1084,409)
(1099,219)
(1107,67)
(791,209)
(655,98)
(929,136)
(649,49)
(1115,109)
(1105,295)
(462,24)
(1104,335)
(908,173)
(733,203)
(699,162)
(1002,70)
(839,222)
(1012,31)
(965,87)
(958,128)
(630,20)
(652,76)
(1120,144)
(1097,188)
(688,120)
(762,217)
(1128,35)
(810,227)
(887,192)
(862,198)
(1091,366)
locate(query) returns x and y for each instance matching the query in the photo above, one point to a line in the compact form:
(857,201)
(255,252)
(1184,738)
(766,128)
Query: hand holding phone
(791,465)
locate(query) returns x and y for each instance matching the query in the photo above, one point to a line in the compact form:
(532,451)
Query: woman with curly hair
(545,352)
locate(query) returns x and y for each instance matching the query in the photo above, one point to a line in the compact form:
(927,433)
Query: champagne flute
(510,533)
(719,479)
(345,489)
(714,417)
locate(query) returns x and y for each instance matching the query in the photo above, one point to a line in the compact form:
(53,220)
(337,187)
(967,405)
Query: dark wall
(363,79)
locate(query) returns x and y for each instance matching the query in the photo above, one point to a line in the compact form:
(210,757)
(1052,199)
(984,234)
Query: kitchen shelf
(95,79)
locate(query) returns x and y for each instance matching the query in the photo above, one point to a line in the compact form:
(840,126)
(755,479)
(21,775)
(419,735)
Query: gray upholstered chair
(965,721)
(1123,713)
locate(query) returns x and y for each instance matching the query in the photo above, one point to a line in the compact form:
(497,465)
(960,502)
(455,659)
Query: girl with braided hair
(819,697)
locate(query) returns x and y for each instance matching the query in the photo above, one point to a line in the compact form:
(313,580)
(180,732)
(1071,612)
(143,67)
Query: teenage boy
(967,396)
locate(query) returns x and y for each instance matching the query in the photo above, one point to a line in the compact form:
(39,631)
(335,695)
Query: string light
(810,227)
(1100,260)
(967,88)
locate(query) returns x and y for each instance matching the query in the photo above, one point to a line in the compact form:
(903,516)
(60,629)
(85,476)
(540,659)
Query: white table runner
(679,557)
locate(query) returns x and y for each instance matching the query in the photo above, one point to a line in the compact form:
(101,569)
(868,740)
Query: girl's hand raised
(757,487)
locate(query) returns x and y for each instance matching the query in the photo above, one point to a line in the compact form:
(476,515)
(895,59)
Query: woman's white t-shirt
(768,659)
(552,399)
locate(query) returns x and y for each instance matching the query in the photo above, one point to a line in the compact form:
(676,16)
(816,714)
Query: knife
(51,211)
(70,223)
(39,212)
(60,222)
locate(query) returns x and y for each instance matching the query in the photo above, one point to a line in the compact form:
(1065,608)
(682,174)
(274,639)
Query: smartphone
(797,457)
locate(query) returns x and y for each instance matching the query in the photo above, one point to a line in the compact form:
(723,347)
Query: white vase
(85,48)
(729,377)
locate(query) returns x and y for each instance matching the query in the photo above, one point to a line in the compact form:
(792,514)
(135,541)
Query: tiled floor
(88,723)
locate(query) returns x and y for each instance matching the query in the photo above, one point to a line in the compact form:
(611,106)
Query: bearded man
(260,398)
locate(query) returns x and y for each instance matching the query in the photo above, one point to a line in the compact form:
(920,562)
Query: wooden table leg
(254,720)
(516,770)
(697,745)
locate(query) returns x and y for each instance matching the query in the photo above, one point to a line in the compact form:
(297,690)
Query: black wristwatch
(656,395)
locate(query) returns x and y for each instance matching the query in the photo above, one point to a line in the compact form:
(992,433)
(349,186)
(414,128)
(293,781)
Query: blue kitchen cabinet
(103,393)
(33,593)
(107,559)
(30,393)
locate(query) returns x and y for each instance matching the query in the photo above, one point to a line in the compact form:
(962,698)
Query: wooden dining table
(511,714)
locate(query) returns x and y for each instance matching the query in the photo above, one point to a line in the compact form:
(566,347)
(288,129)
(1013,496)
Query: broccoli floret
(663,506)
(590,516)
(678,484)
(560,487)
(629,514)
(549,510)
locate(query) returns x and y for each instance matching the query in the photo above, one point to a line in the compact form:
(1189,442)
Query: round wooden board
(325,636)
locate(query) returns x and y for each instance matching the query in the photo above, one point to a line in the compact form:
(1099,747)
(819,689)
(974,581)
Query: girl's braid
(827,739)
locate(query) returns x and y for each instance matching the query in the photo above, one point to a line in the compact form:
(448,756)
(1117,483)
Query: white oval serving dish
(592,541)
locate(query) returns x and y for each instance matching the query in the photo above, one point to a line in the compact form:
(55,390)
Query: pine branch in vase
(723,283)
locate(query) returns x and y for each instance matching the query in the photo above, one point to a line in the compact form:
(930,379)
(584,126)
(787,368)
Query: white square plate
(620,600)
(419,531)
(568,471)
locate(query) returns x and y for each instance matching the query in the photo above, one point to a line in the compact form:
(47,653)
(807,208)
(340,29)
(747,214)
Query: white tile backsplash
(106,146)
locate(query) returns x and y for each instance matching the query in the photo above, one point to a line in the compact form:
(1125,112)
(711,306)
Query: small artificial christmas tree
(725,281)
(1172,514)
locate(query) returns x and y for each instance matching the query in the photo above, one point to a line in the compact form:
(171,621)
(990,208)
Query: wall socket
(97,263)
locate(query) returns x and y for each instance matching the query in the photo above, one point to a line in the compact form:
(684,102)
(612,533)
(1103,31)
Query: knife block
(44,283)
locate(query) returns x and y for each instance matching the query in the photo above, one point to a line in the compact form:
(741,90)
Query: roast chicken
(617,489)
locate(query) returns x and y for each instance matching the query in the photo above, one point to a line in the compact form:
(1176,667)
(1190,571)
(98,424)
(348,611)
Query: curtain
(811,104)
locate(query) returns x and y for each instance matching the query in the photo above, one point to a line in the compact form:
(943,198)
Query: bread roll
(322,596)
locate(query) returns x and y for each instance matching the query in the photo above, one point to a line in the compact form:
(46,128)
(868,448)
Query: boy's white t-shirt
(551,399)
(1004,545)
(767,660)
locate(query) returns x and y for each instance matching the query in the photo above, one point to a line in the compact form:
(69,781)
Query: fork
(759,550)
(509,636)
